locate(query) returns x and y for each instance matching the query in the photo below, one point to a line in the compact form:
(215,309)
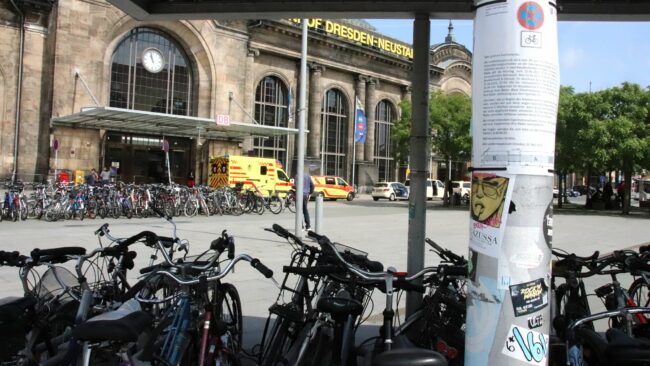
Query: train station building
(107,90)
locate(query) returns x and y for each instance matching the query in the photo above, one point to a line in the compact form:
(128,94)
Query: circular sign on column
(530,15)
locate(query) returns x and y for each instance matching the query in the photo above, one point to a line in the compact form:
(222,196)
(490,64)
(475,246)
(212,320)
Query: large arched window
(150,72)
(385,115)
(271,109)
(334,133)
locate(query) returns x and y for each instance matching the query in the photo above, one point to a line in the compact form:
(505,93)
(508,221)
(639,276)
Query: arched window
(150,72)
(385,115)
(334,133)
(271,109)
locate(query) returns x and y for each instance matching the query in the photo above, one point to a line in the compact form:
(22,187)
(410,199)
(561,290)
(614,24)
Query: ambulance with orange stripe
(332,187)
(262,174)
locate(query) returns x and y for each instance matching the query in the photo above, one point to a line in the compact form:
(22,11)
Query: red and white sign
(222,120)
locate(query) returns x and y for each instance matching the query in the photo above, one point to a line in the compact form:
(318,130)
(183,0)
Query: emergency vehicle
(263,174)
(332,187)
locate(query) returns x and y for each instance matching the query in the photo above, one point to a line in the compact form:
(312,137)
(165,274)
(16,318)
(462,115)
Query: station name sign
(358,36)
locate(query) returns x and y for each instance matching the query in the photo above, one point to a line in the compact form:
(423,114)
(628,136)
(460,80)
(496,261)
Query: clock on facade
(152,60)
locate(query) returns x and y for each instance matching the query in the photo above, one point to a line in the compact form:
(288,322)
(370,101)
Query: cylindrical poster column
(514,100)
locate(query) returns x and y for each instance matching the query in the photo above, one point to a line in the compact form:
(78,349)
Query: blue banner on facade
(360,125)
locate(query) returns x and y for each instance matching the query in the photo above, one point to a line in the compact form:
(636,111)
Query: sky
(603,53)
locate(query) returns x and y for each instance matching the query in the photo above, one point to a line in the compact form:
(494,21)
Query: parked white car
(390,190)
(435,188)
(463,188)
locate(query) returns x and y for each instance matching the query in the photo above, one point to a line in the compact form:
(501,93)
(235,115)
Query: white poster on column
(516,86)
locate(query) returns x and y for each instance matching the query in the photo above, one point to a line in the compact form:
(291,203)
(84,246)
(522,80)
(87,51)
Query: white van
(435,188)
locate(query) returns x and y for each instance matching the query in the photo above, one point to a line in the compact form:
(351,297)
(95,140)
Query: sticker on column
(526,345)
(491,194)
(529,297)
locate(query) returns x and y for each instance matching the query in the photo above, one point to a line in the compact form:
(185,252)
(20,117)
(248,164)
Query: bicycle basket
(341,248)
(57,282)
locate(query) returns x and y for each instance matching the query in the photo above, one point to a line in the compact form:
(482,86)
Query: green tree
(604,131)
(449,119)
(401,133)
(565,136)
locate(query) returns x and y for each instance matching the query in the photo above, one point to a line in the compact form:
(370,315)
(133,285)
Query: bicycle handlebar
(12,259)
(366,275)
(245,257)
(446,254)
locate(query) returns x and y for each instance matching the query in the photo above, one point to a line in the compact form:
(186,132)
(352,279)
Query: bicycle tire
(190,209)
(259,205)
(23,212)
(204,207)
(291,203)
(228,310)
(640,292)
(275,205)
(275,343)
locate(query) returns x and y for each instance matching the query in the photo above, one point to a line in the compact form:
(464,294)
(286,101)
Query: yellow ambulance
(263,174)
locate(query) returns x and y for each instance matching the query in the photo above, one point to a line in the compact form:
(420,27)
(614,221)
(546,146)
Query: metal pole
(19,87)
(301,130)
(510,228)
(354,154)
(169,172)
(56,163)
(319,214)
(419,154)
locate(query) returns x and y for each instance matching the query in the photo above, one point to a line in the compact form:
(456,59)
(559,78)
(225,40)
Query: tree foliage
(449,120)
(605,131)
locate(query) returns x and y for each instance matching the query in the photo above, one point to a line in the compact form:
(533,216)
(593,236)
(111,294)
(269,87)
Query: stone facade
(67,66)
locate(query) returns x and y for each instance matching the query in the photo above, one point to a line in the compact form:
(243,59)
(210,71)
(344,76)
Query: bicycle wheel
(204,208)
(275,205)
(23,211)
(272,352)
(640,292)
(191,208)
(258,205)
(228,322)
(291,203)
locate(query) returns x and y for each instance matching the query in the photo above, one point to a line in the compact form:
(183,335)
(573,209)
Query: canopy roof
(604,10)
(133,121)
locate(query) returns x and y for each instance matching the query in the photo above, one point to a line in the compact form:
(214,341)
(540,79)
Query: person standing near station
(308,189)
(105,175)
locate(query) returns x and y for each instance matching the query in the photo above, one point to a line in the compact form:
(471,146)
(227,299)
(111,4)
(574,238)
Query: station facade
(85,54)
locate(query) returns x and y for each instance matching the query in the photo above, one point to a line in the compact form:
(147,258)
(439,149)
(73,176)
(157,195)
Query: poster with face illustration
(489,205)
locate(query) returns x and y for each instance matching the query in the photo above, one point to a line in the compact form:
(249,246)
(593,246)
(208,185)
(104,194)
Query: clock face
(152,60)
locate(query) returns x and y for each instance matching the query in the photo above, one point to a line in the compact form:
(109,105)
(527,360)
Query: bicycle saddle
(124,324)
(409,357)
(338,306)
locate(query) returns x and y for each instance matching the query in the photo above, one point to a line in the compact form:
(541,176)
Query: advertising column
(514,106)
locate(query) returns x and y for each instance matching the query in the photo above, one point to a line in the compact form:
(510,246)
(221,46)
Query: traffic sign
(530,15)
(56,145)
(165,146)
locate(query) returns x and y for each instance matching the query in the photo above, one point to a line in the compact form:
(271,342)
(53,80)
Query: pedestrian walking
(308,189)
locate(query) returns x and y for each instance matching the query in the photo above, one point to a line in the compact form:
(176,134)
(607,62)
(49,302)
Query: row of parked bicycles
(66,201)
(80,308)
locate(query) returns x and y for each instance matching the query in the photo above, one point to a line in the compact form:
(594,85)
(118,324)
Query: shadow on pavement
(254,328)
(579,209)
(431,205)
